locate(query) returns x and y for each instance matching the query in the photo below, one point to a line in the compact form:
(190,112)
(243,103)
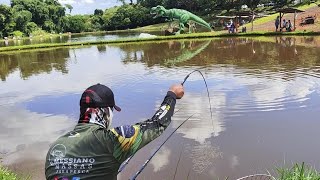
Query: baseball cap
(98,95)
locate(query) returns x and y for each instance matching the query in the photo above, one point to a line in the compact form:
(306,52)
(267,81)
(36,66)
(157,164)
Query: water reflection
(263,93)
(71,38)
(33,63)
(27,135)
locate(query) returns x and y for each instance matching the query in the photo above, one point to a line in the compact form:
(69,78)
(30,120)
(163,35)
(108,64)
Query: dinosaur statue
(182,15)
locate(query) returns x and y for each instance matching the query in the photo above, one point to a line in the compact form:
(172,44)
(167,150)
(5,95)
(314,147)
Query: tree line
(31,17)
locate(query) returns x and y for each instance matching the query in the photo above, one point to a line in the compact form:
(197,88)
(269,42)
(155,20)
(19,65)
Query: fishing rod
(154,153)
(205,82)
(124,164)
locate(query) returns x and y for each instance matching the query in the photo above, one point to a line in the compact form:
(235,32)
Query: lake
(102,36)
(264,92)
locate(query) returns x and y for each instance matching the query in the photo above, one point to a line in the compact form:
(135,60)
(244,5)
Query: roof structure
(289,10)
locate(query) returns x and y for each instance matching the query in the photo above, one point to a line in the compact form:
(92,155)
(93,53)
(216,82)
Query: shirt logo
(75,178)
(65,178)
(73,134)
(56,178)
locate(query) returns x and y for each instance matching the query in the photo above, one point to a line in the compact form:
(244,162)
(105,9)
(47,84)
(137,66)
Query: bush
(39,32)
(30,27)
(16,34)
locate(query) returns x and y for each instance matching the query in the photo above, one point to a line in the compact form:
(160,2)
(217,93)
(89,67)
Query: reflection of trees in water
(164,53)
(34,62)
(243,52)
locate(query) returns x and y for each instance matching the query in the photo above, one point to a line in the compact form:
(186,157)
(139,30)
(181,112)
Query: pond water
(74,38)
(265,98)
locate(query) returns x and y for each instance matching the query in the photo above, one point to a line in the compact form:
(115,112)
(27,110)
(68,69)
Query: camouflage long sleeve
(132,138)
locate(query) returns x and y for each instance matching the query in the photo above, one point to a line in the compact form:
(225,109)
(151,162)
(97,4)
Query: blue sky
(83,6)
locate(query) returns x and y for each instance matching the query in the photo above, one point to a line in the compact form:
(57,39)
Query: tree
(68,6)
(282,3)
(98,12)
(5,19)
(49,26)
(21,19)
(75,24)
(31,27)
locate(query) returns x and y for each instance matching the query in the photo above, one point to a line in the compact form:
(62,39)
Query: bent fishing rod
(144,165)
(155,152)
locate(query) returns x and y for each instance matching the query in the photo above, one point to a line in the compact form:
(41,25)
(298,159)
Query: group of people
(231,27)
(287,25)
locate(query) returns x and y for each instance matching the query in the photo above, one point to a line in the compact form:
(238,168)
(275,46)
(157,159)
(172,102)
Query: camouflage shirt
(91,151)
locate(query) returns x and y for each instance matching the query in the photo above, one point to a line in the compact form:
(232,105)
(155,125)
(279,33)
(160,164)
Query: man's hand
(178,90)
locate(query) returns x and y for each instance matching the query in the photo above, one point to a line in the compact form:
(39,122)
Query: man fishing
(93,150)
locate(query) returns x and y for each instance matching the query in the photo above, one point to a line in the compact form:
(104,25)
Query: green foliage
(31,27)
(5,174)
(17,34)
(28,16)
(68,6)
(298,172)
(75,24)
(98,12)
(127,16)
(39,32)
(5,18)
(21,19)
(49,26)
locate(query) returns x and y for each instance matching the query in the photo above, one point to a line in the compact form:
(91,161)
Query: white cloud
(87,1)
(25,134)
(67,1)
(161,159)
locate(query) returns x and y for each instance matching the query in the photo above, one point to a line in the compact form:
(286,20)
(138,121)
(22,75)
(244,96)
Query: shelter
(286,11)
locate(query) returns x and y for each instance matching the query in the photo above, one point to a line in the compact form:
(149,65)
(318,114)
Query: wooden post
(252,21)
(294,21)
(280,22)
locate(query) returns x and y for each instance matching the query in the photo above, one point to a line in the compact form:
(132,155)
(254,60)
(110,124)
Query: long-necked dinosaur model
(182,15)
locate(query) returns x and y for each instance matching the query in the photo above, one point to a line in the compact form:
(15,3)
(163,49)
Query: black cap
(98,96)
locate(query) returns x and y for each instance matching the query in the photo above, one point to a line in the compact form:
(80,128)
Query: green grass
(157,39)
(274,16)
(298,172)
(5,174)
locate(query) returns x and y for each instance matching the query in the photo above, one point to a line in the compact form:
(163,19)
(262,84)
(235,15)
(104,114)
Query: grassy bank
(158,38)
(274,16)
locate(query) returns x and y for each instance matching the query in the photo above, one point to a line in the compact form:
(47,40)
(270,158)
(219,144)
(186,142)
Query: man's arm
(129,139)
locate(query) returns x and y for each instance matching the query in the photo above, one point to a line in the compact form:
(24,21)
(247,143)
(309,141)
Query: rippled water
(264,94)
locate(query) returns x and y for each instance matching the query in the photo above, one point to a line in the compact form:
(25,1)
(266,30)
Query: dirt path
(313,11)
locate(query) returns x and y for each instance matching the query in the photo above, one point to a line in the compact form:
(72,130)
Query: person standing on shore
(277,23)
(95,150)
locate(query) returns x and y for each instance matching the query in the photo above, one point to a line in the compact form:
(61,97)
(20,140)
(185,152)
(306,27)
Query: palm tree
(68,6)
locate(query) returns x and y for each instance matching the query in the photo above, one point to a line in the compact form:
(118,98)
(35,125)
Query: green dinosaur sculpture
(182,15)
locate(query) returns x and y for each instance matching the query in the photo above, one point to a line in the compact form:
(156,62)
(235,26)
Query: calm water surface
(265,98)
(74,38)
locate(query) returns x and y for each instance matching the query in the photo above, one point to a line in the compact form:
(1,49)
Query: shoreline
(159,39)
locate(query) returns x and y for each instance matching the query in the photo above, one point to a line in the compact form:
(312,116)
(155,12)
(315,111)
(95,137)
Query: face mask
(109,118)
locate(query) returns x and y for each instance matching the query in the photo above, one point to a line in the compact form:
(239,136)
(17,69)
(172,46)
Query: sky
(83,6)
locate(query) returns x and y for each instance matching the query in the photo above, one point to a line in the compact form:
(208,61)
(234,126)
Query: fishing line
(124,164)
(154,153)
(205,82)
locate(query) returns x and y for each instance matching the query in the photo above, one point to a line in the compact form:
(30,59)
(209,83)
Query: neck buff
(100,116)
